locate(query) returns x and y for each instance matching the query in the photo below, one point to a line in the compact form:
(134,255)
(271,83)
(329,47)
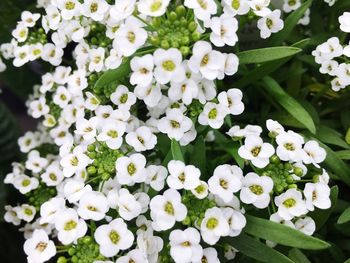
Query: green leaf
(292,106)
(344,155)
(321,215)
(347,136)
(338,166)
(297,256)
(282,234)
(233,150)
(330,136)
(268,67)
(253,248)
(198,156)
(266,54)
(344,217)
(114,74)
(289,23)
(176,151)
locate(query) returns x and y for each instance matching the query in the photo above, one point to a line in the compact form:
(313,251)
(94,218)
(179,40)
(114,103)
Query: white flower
(35,163)
(131,170)
(289,146)
(156,175)
(86,128)
(142,68)
(74,162)
(330,67)
(235,219)
(224,30)
(62,97)
(135,255)
(206,90)
(274,127)
(210,255)
(203,9)
(113,237)
(290,204)
(225,181)
(24,184)
(95,9)
(96,57)
(248,130)
(232,99)
(141,139)
(151,94)
(29,18)
(123,98)
(74,189)
(39,248)
(38,108)
(239,7)
(52,54)
(114,59)
(205,60)
(69,8)
(214,225)
(317,195)
(93,205)
(129,37)
(256,190)
(50,209)
(53,175)
(25,212)
(20,33)
(213,115)
(112,134)
(306,225)
(166,209)
(153,7)
(69,226)
(271,23)
(126,203)
(168,66)
(278,219)
(290,6)
(344,21)
(184,245)
(11,215)
(182,176)
(256,151)
(175,124)
(185,91)
(122,9)
(314,153)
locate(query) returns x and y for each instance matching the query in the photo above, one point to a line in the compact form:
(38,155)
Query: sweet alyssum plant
(129,162)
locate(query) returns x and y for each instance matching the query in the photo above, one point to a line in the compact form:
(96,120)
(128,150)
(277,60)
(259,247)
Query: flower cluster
(333,57)
(99,186)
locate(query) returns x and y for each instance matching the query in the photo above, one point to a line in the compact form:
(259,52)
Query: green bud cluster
(55,110)
(281,174)
(36,36)
(195,108)
(97,36)
(85,251)
(175,29)
(104,160)
(196,208)
(40,195)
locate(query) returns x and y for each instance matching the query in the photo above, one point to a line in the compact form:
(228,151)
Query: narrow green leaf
(297,256)
(198,156)
(176,150)
(292,106)
(282,234)
(321,216)
(338,166)
(234,152)
(344,217)
(253,248)
(343,155)
(330,136)
(347,136)
(114,74)
(266,54)
(268,67)
(290,22)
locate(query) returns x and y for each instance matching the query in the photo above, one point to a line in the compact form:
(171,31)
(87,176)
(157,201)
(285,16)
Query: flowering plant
(180,131)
